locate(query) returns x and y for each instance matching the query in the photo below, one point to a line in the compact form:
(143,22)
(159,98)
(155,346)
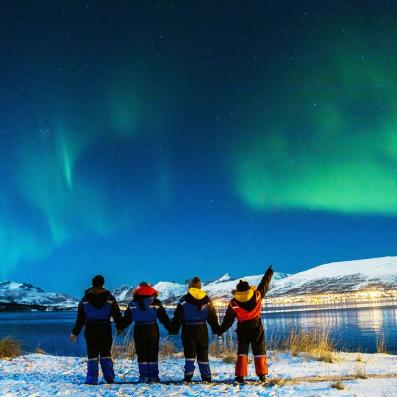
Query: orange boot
(261,368)
(241,367)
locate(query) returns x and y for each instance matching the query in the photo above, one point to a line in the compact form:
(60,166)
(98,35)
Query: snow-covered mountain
(171,292)
(222,288)
(348,276)
(12,293)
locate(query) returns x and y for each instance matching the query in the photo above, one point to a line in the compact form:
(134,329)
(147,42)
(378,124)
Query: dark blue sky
(160,140)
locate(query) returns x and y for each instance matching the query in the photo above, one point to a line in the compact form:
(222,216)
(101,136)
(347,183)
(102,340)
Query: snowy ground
(42,375)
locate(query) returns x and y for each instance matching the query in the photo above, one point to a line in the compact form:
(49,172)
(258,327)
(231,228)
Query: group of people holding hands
(193,312)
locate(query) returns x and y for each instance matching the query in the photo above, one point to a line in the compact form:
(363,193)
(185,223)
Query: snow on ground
(42,375)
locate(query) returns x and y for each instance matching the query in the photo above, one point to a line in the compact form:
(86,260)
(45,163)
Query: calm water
(353,328)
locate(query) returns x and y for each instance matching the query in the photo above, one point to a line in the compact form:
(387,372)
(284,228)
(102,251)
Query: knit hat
(145,289)
(98,281)
(242,286)
(195,282)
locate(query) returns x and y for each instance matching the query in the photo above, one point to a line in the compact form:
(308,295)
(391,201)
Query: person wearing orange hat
(246,307)
(144,310)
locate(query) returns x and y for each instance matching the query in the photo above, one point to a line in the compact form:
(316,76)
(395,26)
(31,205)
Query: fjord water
(352,329)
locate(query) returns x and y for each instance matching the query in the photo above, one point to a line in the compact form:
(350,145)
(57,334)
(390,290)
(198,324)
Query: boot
(205,371)
(242,366)
(262,378)
(189,369)
(239,379)
(153,369)
(261,365)
(143,372)
(107,369)
(188,378)
(92,372)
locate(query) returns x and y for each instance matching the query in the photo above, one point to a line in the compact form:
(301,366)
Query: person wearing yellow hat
(246,307)
(193,312)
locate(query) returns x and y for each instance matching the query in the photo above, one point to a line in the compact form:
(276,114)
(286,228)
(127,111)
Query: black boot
(188,378)
(206,379)
(262,378)
(239,379)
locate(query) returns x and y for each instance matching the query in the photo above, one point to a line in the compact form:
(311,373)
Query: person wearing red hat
(246,307)
(144,310)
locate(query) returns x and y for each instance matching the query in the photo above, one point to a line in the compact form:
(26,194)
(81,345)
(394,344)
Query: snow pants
(195,345)
(251,333)
(98,338)
(147,337)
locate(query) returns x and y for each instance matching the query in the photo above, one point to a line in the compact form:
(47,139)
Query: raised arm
(263,286)
(228,320)
(80,320)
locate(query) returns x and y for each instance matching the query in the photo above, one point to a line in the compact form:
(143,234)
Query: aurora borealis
(163,138)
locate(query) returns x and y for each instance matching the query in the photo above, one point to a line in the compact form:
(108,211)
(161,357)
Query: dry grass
(359,358)
(360,373)
(381,345)
(167,348)
(277,382)
(317,343)
(339,385)
(9,348)
(126,349)
(224,348)
(39,350)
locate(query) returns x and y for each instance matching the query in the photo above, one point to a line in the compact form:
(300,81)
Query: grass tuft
(317,343)
(339,385)
(167,348)
(9,348)
(381,345)
(277,382)
(224,348)
(39,350)
(360,373)
(124,350)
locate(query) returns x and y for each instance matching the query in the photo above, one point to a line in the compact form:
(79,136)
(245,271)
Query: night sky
(162,140)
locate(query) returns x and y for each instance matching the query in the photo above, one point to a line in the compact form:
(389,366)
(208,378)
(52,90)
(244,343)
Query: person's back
(193,312)
(95,311)
(144,310)
(246,307)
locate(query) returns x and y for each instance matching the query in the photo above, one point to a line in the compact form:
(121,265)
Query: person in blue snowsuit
(94,312)
(144,310)
(193,312)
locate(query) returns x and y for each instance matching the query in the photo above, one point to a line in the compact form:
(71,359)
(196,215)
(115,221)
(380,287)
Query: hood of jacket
(97,296)
(244,296)
(192,297)
(197,293)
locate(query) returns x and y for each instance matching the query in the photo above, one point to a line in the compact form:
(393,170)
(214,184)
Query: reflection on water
(352,329)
